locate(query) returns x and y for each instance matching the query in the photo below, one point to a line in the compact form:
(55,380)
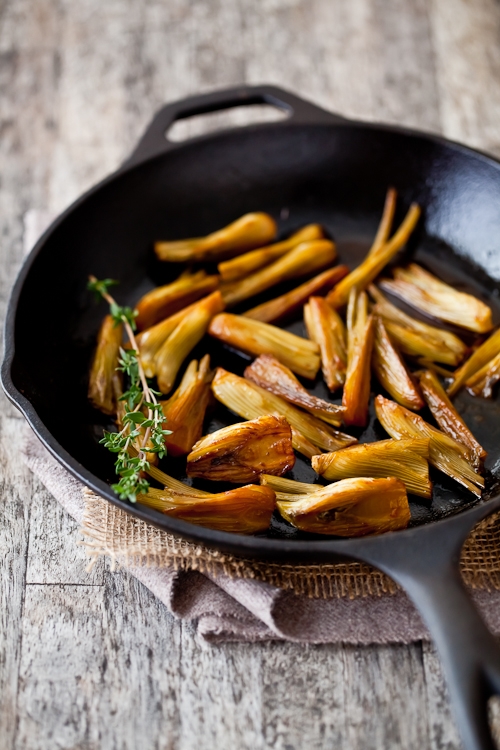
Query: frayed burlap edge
(111,532)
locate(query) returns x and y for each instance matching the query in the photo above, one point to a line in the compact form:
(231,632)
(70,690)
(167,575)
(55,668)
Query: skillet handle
(155,141)
(426,565)
(469,653)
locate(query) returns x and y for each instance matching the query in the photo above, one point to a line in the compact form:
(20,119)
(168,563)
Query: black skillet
(314,166)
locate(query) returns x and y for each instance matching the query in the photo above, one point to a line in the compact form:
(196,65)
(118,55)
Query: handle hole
(236,117)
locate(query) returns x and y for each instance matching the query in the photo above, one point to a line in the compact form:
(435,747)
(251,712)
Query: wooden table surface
(92,660)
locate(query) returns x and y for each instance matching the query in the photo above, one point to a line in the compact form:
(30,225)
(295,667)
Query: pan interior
(333,176)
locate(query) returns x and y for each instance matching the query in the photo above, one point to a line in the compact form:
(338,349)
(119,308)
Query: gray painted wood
(55,552)
(92,660)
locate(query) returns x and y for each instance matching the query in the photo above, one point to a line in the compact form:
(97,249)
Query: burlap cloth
(235,599)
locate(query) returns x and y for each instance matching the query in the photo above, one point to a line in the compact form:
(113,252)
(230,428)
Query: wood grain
(15,491)
(93,660)
(55,552)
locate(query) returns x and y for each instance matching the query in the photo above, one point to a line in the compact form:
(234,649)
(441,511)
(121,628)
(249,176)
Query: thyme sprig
(138,397)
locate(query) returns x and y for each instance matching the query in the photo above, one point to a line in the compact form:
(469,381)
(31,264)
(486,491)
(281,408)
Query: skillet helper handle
(155,141)
(425,562)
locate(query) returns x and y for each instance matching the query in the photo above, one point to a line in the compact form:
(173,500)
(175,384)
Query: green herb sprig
(139,395)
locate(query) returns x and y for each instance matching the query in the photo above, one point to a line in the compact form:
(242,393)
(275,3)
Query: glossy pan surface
(313,167)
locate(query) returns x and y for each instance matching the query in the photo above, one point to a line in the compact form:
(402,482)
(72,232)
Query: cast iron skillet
(314,166)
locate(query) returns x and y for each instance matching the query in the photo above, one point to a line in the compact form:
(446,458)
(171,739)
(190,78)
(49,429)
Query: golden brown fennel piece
(254,337)
(374,262)
(249,401)
(242,452)
(283,486)
(243,510)
(325,327)
(151,340)
(270,374)
(447,416)
(247,232)
(483,354)
(169,299)
(184,338)
(404,459)
(446,454)
(391,371)
(385,226)
(416,338)
(303,259)
(167,481)
(105,382)
(286,304)
(356,393)
(485,379)
(423,291)
(185,409)
(245,264)
(351,507)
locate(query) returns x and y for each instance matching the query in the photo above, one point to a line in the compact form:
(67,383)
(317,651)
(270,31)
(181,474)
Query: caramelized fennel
(447,416)
(350,507)
(391,371)
(404,459)
(275,377)
(303,259)
(284,305)
(184,338)
(483,354)
(356,393)
(374,262)
(151,340)
(243,510)
(185,410)
(284,487)
(249,401)
(484,380)
(422,290)
(385,226)
(105,381)
(445,453)
(243,265)
(242,452)
(254,337)
(247,232)
(416,338)
(166,300)
(325,327)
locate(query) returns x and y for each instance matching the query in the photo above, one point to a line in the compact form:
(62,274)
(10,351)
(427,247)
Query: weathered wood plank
(304,697)
(55,552)
(100,668)
(467,58)
(15,491)
(385,682)
(442,730)
(62,667)
(220,697)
